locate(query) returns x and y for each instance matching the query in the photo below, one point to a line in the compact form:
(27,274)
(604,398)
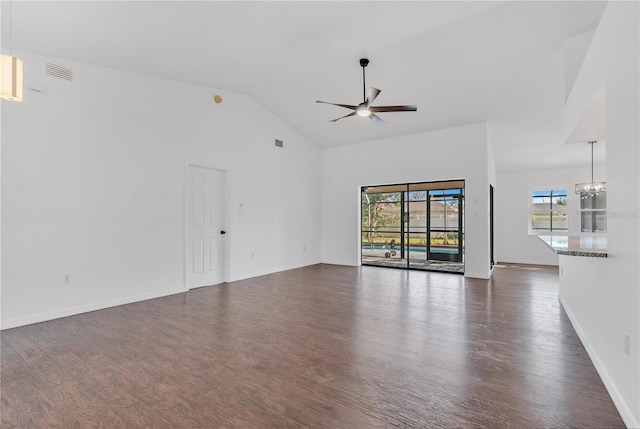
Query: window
(549,211)
(593,213)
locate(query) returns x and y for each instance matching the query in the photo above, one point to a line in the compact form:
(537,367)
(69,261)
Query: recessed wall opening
(413,226)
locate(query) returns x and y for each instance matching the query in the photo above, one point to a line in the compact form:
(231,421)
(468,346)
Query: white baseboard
(483,276)
(259,273)
(342,262)
(71,311)
(616,397)
(337,264)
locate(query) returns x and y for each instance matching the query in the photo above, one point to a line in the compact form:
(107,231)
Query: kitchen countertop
(576,246)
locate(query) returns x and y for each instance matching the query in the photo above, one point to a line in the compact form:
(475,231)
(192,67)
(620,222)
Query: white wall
(453,153)
(605,306)
(93,182)
(512,200)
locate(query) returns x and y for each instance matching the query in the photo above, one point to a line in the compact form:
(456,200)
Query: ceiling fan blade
(393,108)
(373,94)
(342,117)
(346,106)
(377,119)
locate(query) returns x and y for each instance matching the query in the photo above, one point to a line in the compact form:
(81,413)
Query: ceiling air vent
(60,72)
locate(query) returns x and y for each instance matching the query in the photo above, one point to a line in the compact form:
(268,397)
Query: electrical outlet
(66,278)
(627,344)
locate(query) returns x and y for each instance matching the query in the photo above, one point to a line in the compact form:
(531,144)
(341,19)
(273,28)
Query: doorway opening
(414,226)
(491,231)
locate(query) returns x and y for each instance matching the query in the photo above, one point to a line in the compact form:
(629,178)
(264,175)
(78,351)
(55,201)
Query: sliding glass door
(445,225)
(381,231)
(414,225)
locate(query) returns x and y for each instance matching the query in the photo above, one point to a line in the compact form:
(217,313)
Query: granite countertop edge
(587,253)
(592,253)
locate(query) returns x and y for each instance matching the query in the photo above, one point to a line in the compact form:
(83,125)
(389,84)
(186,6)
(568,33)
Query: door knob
(223,232)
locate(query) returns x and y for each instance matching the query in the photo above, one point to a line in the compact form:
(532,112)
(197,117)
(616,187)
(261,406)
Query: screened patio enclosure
(414,225)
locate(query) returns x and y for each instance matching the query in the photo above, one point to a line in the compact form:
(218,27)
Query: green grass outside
(435,241)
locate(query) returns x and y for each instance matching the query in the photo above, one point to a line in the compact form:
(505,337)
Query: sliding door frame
(400,194)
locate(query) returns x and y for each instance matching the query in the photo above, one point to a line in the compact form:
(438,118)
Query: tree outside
(375,210)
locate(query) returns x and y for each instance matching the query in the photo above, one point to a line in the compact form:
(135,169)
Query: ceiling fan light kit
(365,109)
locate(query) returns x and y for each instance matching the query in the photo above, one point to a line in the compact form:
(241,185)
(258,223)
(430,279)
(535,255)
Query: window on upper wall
(593,213)
(548,211)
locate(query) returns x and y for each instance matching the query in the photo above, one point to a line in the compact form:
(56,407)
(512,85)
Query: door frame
(492,261)
(186,226)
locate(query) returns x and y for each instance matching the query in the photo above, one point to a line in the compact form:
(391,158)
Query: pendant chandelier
(591,189)
(10,72)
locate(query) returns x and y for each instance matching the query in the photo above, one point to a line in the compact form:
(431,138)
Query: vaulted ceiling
(507,63)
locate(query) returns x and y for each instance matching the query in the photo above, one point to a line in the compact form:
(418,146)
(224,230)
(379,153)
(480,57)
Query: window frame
(593,212)
(552,192)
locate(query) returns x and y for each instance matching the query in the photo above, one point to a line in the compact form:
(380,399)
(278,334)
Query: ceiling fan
(365,108)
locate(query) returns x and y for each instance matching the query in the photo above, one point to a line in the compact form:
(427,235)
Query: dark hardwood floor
(320,347)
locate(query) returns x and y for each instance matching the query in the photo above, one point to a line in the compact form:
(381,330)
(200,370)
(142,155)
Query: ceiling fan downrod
(363,63)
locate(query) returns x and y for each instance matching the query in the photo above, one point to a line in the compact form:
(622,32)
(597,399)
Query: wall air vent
(60,72)
(279,143)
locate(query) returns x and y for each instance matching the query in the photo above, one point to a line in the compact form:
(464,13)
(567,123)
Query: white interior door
(205,227)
